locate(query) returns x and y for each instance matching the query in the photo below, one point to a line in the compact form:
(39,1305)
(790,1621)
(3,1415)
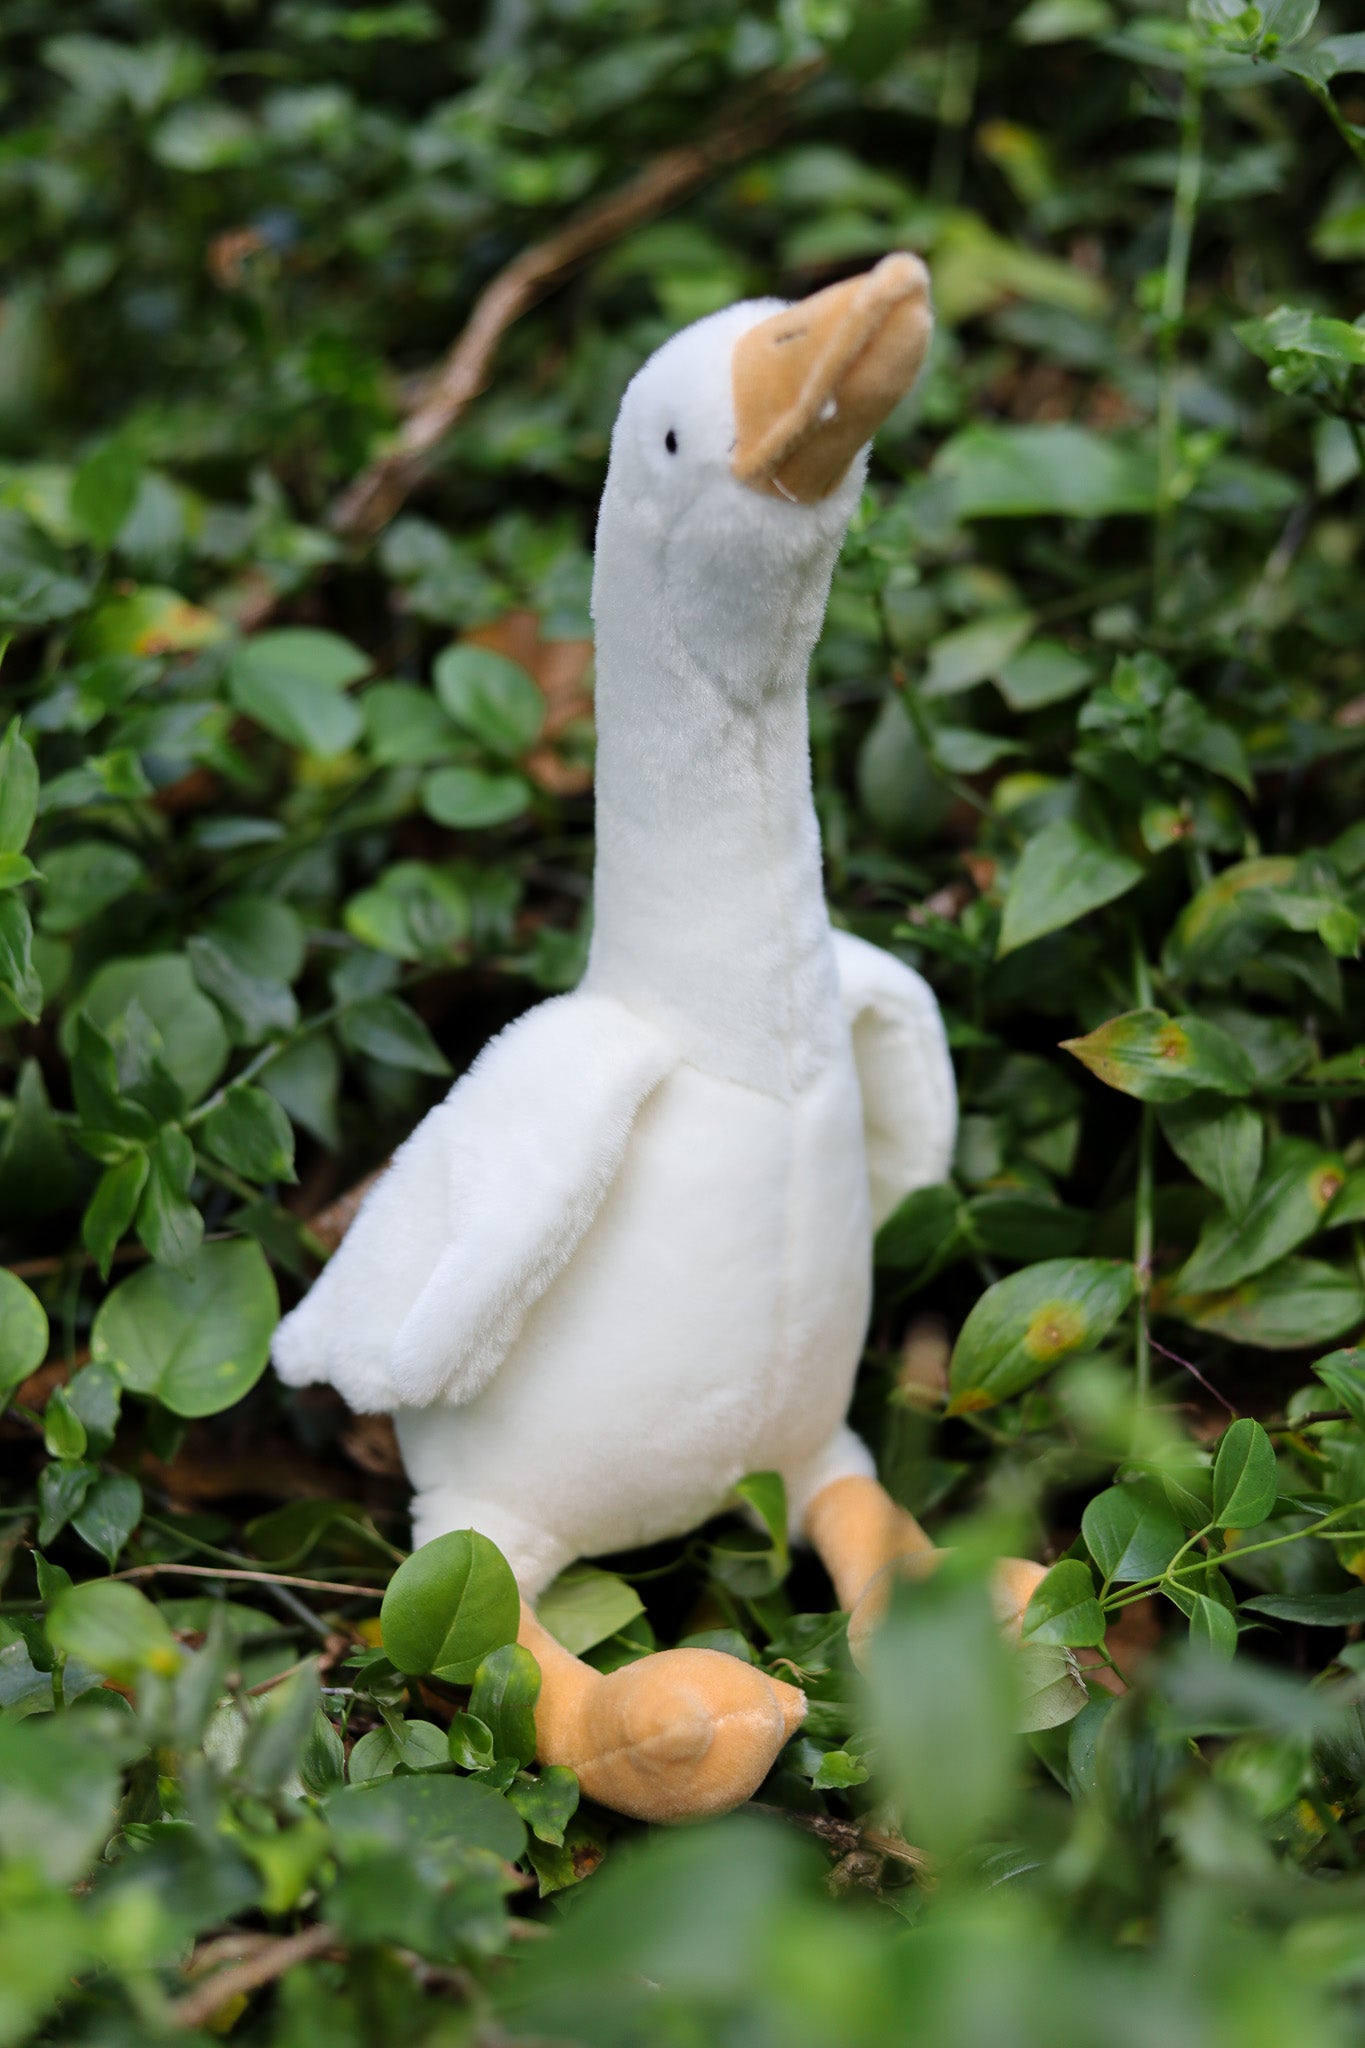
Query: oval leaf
(197,1341)
(448,1606)
(1245,1485)
(1025,1324)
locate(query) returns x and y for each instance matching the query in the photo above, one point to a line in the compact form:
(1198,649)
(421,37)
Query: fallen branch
(220,1571)
(269,1960)
(379,491)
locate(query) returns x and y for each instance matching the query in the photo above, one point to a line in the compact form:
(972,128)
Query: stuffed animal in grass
(628,1260)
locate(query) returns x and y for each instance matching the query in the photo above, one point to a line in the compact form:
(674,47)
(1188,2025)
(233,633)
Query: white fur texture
(629,1259)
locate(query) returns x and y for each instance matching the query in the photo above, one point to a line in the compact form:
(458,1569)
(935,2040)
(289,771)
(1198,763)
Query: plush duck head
(736,464)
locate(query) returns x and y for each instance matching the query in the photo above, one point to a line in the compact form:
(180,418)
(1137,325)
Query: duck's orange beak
(815,381)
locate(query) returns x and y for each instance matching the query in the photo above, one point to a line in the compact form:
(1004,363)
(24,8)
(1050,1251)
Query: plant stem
(1184,210)
(1143,1587)
(1144,1215)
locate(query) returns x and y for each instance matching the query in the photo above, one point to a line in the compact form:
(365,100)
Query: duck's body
(628,1260)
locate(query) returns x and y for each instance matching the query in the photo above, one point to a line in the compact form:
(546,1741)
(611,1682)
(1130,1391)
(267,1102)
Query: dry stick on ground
(269,1961)
(378,492)
(219,1571)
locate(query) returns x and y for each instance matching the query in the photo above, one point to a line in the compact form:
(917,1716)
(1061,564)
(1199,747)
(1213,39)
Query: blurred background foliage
(295,811)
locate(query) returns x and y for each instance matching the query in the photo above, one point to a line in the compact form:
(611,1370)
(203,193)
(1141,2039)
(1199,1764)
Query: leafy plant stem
(1143,1587)
(1144,1219)
(1184,212)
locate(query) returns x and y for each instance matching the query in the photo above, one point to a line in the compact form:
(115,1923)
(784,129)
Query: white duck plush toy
(628,1260)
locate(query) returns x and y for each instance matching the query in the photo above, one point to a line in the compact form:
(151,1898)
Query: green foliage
(291,822)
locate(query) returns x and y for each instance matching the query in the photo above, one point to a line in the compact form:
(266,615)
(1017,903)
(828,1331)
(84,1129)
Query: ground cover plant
(295,811)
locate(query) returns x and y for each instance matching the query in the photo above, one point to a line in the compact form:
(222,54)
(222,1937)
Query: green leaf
(1063,1608)
(83,879)
(412,1813)
(467,799)
(110,1512)
(971,653)
(414,911)
(470,1743)
(18,789)
(448,1606)
(1220,1142)
(406,727)
(1343,1373)
(920,1228)
(293,682)
(150,620)
(1312,1610)
(944,1710)
(1025,1324)
(1063,874)
(63,1431)
(1043,672)
(1286,1208)
(1130,1532)
(491,697)
(1289,1307)
(103,491)
(1213,1628)
(1245,1485)
(59,1788)
(1020,472)
(260,1007)
(193,1043)
(506,1688)
(23,1331)
(61,1489)
(766,1494)
(168,1223)
(1163,1059)
(250,1133)
(383,1028)
(547,1802)
(197,1342)
(19,979)
(584,1606)
(114,1629)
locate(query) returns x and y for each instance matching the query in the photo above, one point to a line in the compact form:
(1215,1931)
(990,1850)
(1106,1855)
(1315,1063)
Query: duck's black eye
(671,442)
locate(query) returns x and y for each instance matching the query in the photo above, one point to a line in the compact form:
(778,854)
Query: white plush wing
(480,1209)
(904,1071)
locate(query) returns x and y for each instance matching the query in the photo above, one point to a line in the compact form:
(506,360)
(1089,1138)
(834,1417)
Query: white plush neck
(710,917)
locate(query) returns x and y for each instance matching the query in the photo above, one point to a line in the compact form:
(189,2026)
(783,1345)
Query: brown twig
(269,1960)
(377,493)
(219,1571)
(847,1837)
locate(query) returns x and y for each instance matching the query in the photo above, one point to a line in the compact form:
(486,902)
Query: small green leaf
(63,1430)
(547,1802)
(1019,472)
(168,1223)
(1130,1532)
(103,490)
(1063,1608)
(23,1331)
(1343,1374)
(293,682)
(433,1809)
(1062,875)
(385,1029)
(584,1606)
(109,1514)
(250,1133)
(1025,1324)
(506,1688)
(468,799)
(1245,1485)
(114,1629)
(1221,1142)
(18,789)
(491,697)
(470,1743)
(19,978)
(1213,1628)
(448,1606)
